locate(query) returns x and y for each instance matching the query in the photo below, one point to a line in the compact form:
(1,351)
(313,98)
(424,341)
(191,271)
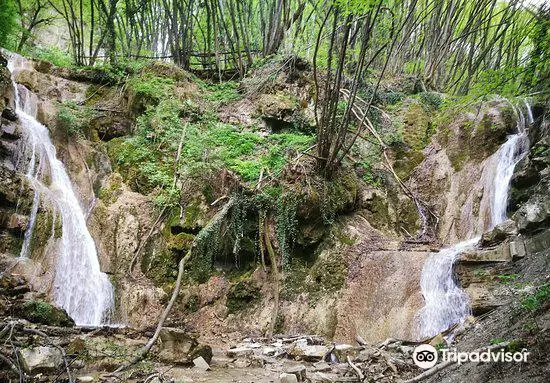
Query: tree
(8,23)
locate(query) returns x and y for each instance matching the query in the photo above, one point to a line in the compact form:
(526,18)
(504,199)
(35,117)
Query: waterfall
(445,302)
(79,286)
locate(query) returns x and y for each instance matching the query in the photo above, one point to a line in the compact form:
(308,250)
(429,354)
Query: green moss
(110,192)
(43,230)
(327,275)
(180,242)
(242,295)
(39,311)
(194,215)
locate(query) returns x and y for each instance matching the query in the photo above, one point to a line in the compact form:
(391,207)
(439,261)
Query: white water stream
(79,286)
(445,302)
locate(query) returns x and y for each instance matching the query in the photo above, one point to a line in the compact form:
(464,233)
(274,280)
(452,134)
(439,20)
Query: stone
(39,311)
(517,249)
(299,371)
(501,231)
(533,213)
(40,359)
(481,298)
(85,379)
(204,351)
(242,363)
(201,364)
(501,253)
(176,345)
(287,378)
(342,351)
(239,352)
(9,114)
(309,353)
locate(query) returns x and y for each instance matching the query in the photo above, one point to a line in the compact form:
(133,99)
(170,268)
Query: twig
(356,369)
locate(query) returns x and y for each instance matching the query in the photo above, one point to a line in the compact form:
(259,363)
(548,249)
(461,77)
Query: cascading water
(79,286)
(445,302)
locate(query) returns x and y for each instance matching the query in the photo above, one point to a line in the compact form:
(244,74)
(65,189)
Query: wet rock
(500,253)
(9,132)
(499,233)
(40,359)
(17,223)
(176,345)
(9,114)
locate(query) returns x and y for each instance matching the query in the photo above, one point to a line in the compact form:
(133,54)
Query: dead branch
(358,372)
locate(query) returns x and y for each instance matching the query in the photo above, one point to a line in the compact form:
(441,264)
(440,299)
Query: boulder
(299,371)
(39,311)
(9,114)
(500,253)
(201,364)
(287,378)
(176,345)
(309,353)
(40,359)
(501,231)
(534,214)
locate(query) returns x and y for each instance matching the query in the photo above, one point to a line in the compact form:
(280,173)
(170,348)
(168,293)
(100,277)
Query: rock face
(40,359)
(455,177)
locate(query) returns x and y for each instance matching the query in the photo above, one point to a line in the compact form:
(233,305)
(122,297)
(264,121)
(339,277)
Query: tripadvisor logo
(426,356)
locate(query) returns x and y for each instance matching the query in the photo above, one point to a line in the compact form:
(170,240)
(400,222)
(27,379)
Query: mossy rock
(417,125)
(39,311)
(113,188)
(44,227)
(406,159)
(242,295)
(328,274)
(180,242)
(194,217)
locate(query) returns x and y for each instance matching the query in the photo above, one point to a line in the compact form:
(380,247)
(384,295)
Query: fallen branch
(356,369)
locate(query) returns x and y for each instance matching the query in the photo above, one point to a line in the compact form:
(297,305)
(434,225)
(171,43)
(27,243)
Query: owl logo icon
(425,356)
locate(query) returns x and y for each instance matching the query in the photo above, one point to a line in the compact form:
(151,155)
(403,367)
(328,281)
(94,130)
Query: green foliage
(534,302)
(53,54)
(8,23)
(73,119)
(222,92)
(151,87)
